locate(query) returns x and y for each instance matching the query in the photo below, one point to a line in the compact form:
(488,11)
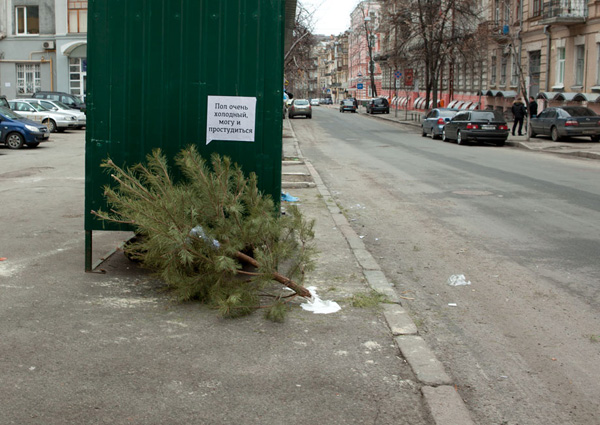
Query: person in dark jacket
(518,110)
(533,107)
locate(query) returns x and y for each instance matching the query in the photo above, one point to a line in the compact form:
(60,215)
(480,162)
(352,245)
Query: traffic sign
(359,86)
(397,74)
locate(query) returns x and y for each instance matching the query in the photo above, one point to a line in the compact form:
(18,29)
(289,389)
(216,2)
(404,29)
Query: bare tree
(297,60)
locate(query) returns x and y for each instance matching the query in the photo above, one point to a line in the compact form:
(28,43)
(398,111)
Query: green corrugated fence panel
(152,65)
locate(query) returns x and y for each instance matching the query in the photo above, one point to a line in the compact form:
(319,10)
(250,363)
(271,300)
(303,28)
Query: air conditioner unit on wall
(48,45)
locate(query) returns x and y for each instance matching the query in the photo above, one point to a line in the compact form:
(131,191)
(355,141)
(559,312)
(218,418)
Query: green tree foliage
(212,235)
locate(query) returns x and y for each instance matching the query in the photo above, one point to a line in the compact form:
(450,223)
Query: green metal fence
(167,74)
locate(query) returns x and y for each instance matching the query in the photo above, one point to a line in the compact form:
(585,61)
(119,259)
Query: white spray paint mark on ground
(115,302)
(317,305)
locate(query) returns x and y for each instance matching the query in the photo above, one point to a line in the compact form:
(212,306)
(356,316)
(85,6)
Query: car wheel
(433,135)
(554,134)
(14,141)
(444,138)
(33,145)
(531,132)
(500,144)
(309,116)
(595,139)
(459,139)
(423,132)
(50,124)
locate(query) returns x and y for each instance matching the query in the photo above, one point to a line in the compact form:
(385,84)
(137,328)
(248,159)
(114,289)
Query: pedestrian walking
(533,107)
(518,110)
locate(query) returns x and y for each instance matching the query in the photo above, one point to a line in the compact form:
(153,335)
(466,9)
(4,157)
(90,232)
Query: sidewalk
(113,347)
(575,147)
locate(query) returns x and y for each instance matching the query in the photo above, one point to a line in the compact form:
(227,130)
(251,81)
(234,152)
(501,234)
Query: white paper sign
(231,118)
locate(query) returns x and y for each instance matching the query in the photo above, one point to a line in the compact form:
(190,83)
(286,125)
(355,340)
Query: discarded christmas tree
(212,235)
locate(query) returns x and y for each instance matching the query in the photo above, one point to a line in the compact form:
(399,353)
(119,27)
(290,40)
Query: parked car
(347,105)
(435,120)
(55,121)
(3,101)
(68,99)
(314,102)
(566,121)
(55,105)
(380,105)
(328,101)
(300,107)
(16,131)
(489,126)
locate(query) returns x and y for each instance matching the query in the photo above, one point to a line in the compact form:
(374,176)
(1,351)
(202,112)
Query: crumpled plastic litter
(288,198)
(198,232)
(458,280)
(317,305)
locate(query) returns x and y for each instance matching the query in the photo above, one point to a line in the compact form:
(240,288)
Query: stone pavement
(113,347)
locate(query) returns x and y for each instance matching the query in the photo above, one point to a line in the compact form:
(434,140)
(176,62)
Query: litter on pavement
(288,198)
(317,305)
(458,280)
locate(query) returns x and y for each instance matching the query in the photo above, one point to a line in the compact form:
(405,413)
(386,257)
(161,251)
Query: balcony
(564,12)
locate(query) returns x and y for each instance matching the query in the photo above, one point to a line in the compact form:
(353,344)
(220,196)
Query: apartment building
(43,46)
(363,46)
(548,49)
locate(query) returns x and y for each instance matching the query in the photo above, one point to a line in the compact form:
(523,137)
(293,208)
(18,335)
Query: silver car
(55,105)
(55,121)
(434,122)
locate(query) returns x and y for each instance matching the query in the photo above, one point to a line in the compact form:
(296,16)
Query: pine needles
(212,236)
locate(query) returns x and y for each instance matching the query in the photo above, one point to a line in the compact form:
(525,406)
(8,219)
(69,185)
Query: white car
(314,102)
(55,105)
(55,121)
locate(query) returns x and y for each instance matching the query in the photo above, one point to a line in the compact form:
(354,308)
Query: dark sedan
(567,121)
(379,104)
(435,121)
(347,105)
(488,126)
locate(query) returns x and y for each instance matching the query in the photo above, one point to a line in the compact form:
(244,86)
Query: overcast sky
(331,16)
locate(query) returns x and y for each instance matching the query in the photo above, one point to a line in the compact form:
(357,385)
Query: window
(77,76)
(560,66)
(28,78)
(503,65)
(579,64)
(598,64)
(537,7)
(77,16)
(493,76)
(27,20)
(497,12)
(514,78)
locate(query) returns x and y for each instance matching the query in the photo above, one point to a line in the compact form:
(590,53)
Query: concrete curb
(446,408)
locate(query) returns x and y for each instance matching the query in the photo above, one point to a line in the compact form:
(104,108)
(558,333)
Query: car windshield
(38,107)
(449,114)
(301,102)
(54,104)
(9,113)
(579,111)
(488,116)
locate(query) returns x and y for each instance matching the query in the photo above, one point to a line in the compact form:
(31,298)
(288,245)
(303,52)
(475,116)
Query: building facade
(363,46)
(43,47)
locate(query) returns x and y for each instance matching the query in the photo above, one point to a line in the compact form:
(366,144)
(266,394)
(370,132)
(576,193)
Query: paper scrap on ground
(458,280)
(317,305)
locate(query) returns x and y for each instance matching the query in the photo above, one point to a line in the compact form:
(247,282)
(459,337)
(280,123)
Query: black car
(68,99)
(489,126)
(380,105)
(4,102)
(566,122)
(435,121)
(348,105)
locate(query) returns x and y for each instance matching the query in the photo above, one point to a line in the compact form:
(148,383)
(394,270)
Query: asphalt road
(524,227)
